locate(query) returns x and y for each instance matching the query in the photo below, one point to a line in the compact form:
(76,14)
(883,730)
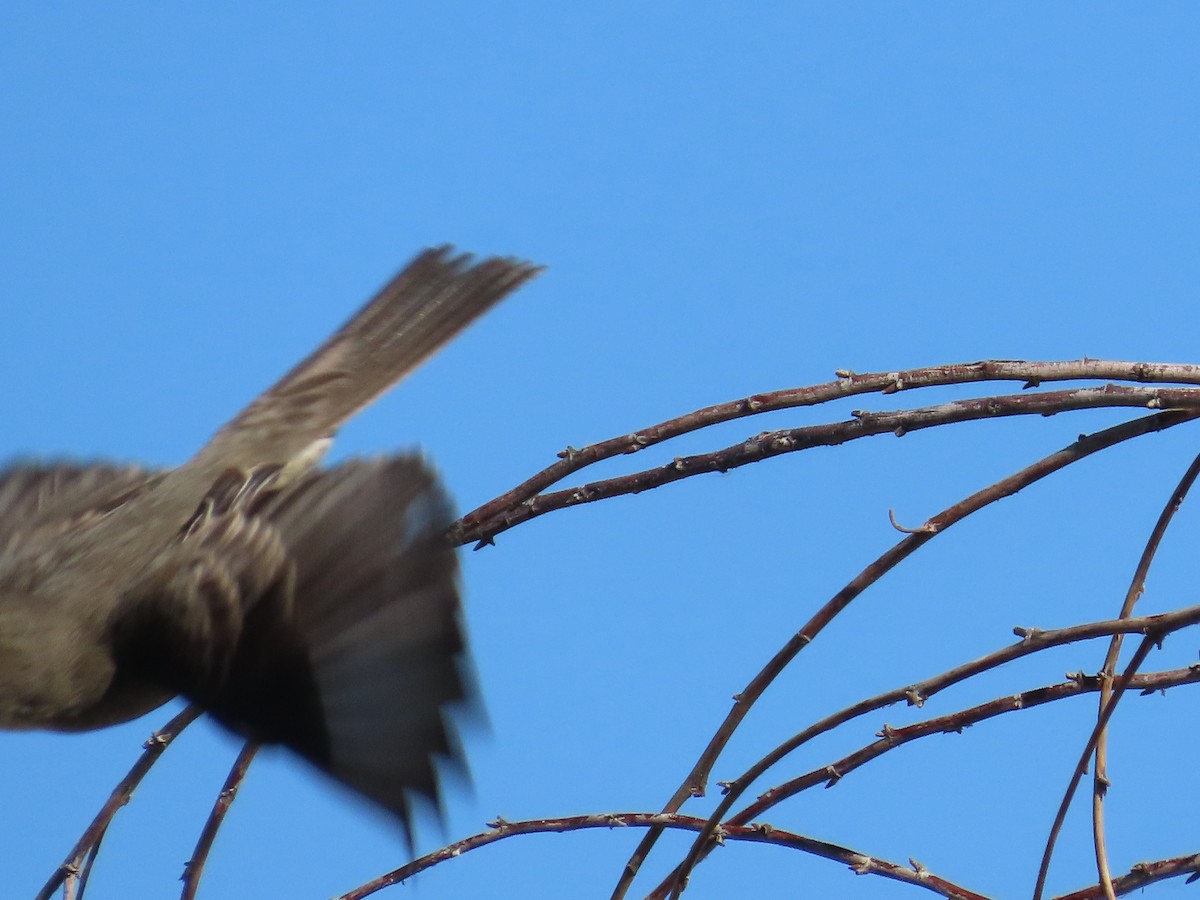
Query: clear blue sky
(731,198)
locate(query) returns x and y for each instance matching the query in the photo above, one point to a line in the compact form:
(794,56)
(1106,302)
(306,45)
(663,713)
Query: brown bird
(315,608)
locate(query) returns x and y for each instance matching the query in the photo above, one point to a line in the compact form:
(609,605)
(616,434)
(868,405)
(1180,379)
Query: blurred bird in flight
(316,608)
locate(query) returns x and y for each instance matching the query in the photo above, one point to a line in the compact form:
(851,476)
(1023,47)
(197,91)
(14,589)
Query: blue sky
(730,199)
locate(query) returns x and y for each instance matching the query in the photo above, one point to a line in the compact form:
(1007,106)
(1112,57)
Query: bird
(313,607)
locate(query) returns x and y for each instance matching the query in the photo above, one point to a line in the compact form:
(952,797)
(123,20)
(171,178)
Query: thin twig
(848,384)
(1142,874)
(1135,663)
(791,440)
(860,863)
(1032,641)
(69,871)
(952,723)
(194,867)
(696,780)
(1137,585)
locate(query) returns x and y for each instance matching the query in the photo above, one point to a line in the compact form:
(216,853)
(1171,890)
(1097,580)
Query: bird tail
(362,675)
(432,299)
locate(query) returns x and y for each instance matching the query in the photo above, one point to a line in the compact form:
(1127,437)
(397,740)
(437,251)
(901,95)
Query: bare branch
(1032,641)
(68,872)
(1141,875)
(848,384)
(860,863)
(1135,663)
(696,780)
(1137,586)
(483,526)
(194,867)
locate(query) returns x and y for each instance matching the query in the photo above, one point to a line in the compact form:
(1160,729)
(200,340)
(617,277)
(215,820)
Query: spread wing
(434,298)
(324,618)
(35,496)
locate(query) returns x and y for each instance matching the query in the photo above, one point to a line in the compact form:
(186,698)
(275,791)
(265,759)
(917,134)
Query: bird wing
(324,618)
(61,495)
(428,303)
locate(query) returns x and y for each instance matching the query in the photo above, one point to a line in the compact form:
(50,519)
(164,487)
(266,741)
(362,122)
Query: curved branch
(1032,641)
(848,384)
(194,867)
(1137,586)
(776,443)
(153,749)
(860,863)
(694,783)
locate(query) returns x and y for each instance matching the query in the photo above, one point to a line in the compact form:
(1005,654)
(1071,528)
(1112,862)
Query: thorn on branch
(499,823)
(1027,635)
(568,454)
(488,540)
(724,786)
(834,776)
(1032,383)
(914,697)
(927,528)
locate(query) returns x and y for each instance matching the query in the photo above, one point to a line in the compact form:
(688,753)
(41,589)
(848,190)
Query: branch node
(914,697)
(499,823)
(834,776)
(844,373)
(567,454)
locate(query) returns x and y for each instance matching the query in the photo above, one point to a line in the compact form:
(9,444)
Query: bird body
(313,607)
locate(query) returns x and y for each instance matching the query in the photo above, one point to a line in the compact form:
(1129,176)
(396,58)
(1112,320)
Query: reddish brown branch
(1139,656)
(68,872)
(891,738)
(860,863)
(1141,875)
(1137,586)
(484,524)
(695,782)
(194,867)
(848,384)
(1033,641)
